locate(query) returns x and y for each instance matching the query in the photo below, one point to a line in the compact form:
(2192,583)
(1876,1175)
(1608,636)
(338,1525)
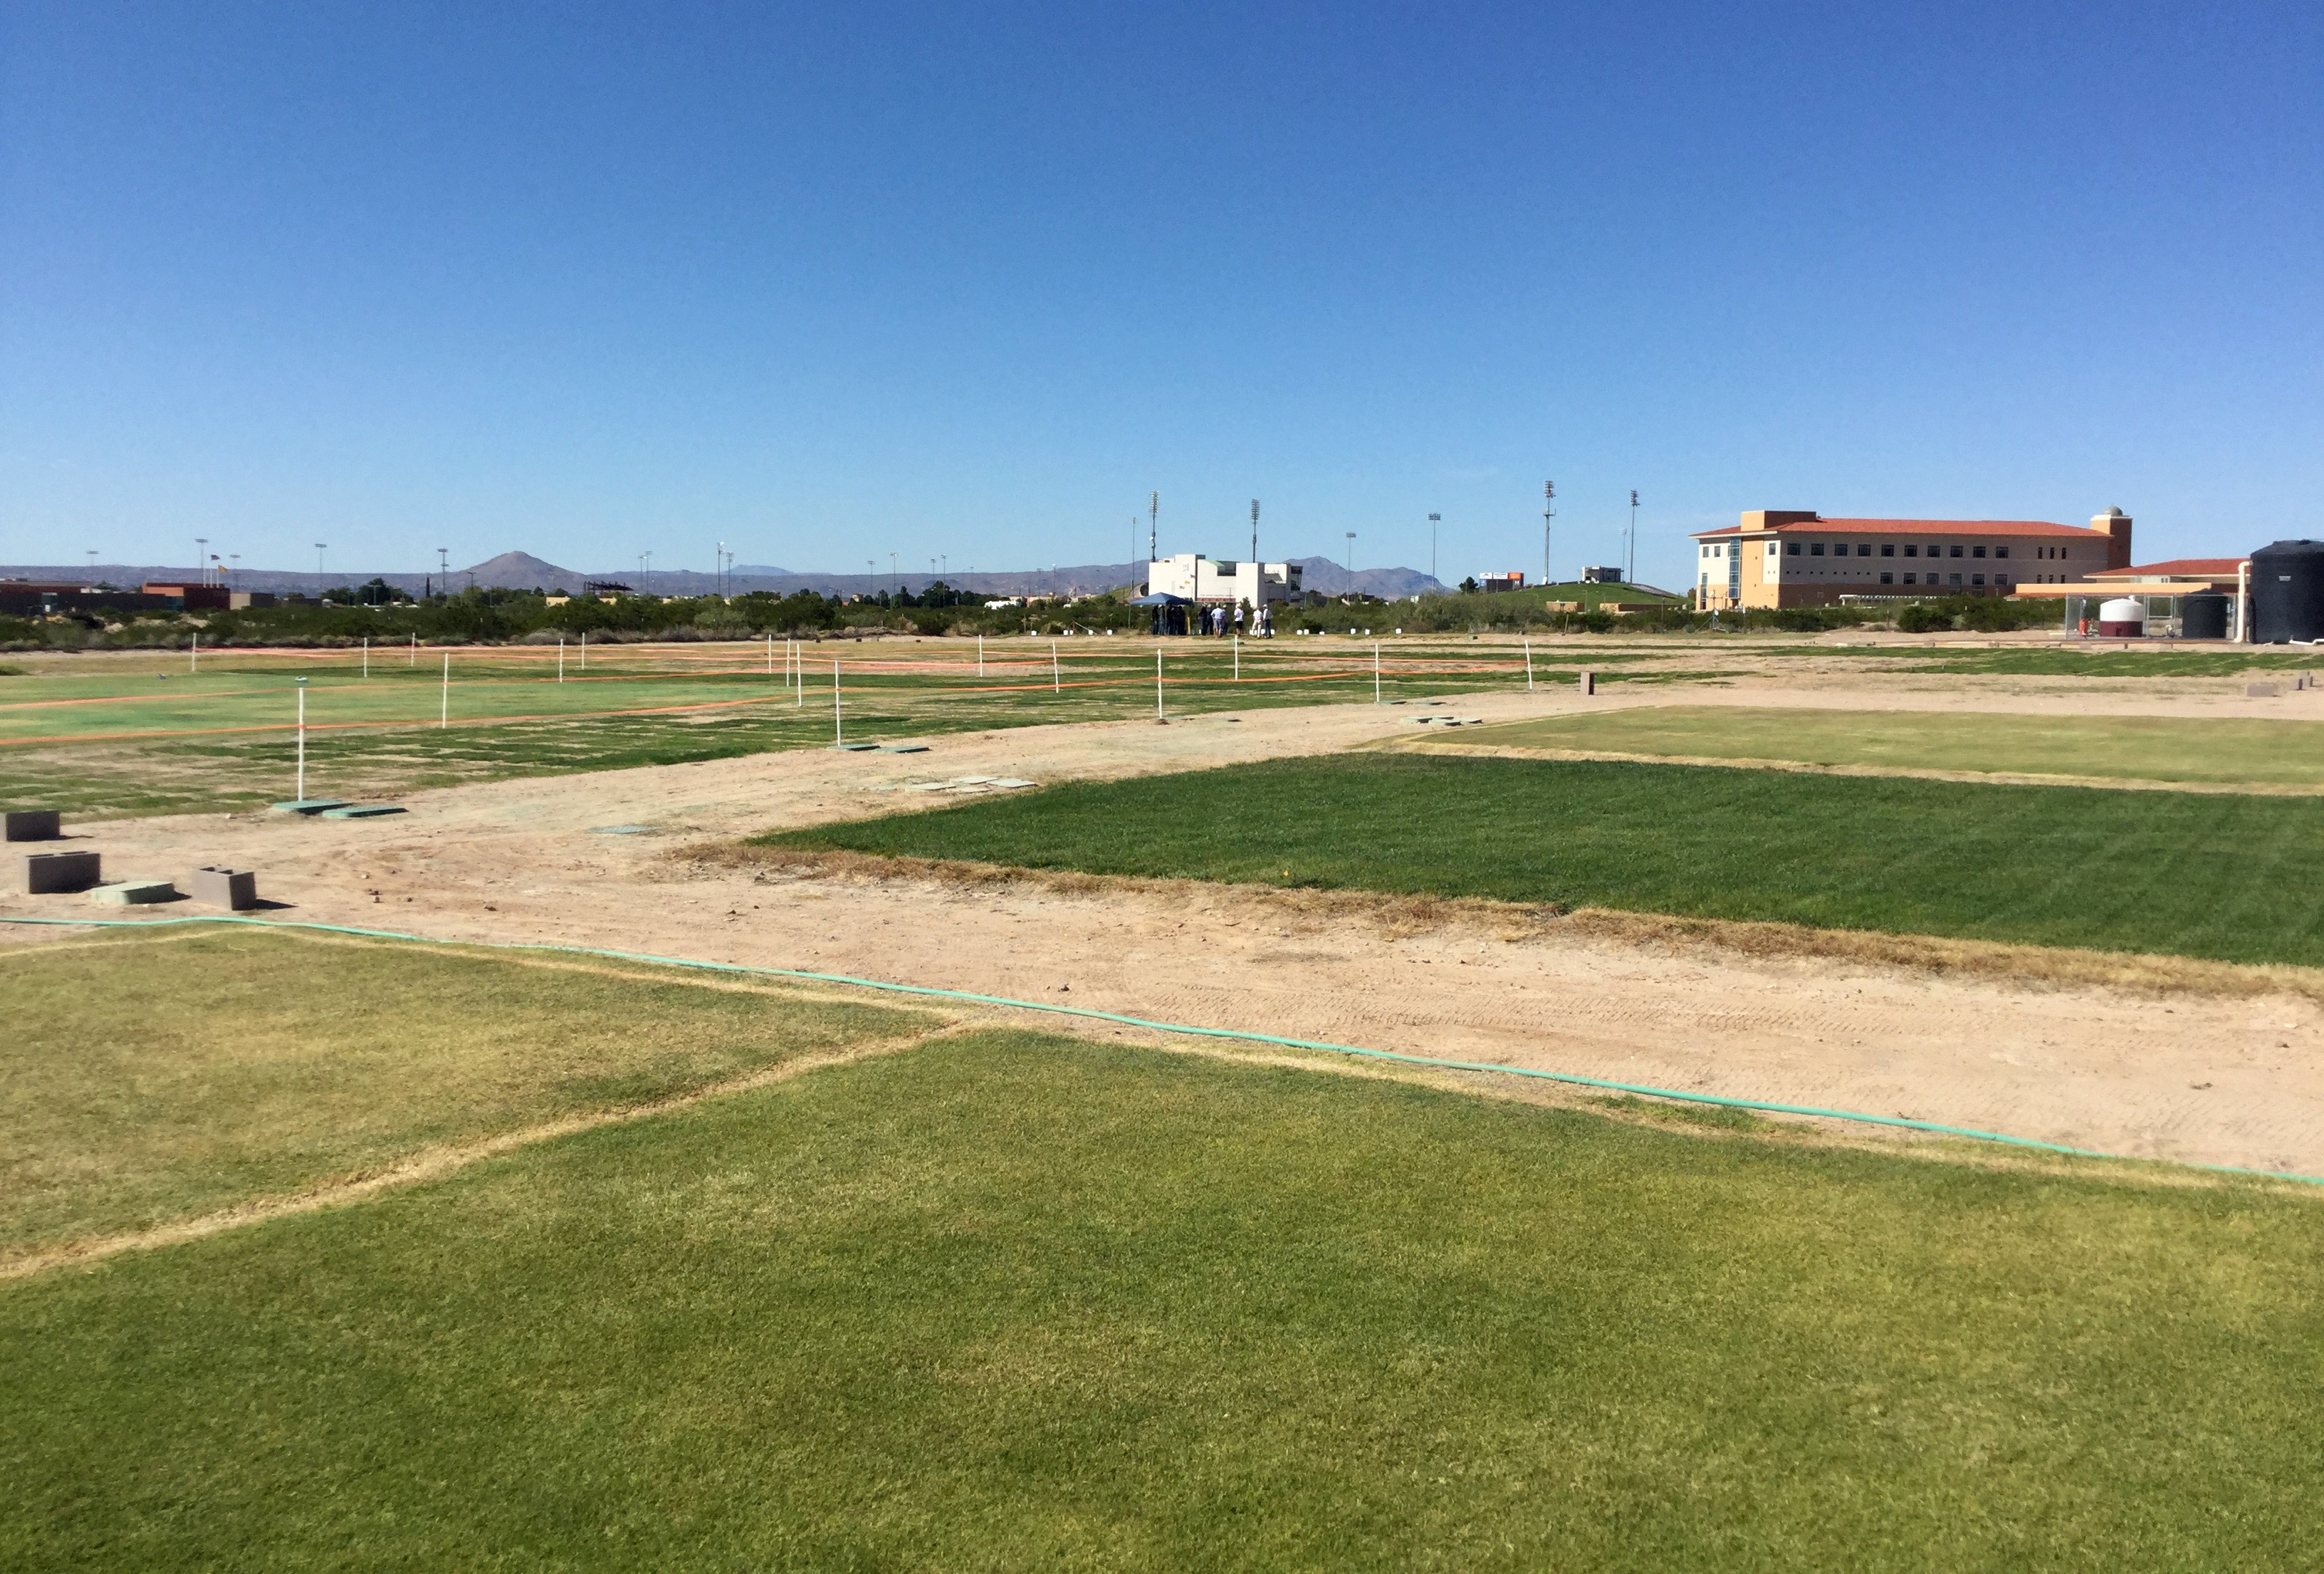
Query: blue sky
(839,282)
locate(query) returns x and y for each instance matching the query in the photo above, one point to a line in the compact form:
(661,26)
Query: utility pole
(1254,535)
(1433,521)
(1153,515)
(1548,513)
(1630,567)
(1351,560)
(444,569)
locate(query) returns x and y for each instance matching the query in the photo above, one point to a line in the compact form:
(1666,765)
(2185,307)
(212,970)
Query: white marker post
(838,734)
(1157,682)
(798,674)
(1528,651)
(366,655)
(560,658)
(980,656)
(444,717)
(414,659)
(1056,681)
(1238,656)
(585,650)
(194,658)
(300,792)
(1375,672)
(770,655)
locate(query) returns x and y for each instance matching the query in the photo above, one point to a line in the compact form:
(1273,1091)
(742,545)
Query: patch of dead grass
(1400,916)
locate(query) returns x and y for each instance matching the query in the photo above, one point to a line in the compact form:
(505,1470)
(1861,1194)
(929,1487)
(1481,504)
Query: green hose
(1937,1127)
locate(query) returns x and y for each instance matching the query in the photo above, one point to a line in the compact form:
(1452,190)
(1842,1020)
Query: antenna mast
(1153,513)
(1254,535)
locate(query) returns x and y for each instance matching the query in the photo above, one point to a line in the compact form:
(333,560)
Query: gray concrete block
(236,890)
(1587,683)
(362,810)
(307,805)
(134,893)
(33,825)
(2260,690)
(46,873)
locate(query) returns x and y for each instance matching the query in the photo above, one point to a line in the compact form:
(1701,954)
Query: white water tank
(2121,618)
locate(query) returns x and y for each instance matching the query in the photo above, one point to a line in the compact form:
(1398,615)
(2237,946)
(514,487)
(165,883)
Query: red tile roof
(2013,527)
(2179,567)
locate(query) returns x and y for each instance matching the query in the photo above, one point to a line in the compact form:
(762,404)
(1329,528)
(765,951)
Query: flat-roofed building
(1192,576)
(1797,558)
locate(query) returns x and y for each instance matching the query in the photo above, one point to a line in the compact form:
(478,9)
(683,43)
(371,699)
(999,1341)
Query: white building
(1200,579)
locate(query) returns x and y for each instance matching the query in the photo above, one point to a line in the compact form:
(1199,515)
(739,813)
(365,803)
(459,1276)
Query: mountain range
(523,571)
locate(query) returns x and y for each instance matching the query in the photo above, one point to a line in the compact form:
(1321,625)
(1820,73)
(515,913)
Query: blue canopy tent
(1170,612)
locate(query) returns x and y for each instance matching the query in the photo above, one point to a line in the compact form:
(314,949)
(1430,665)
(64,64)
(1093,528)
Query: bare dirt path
(2196,1079)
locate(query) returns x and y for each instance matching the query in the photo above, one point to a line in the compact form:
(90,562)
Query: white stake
(1157,682)
(838,737)
(1528,651)
(1238,656)
(366,655)
(301,794)
(980,656)
(560,658)
(1375,672)
(194,659)
(770,655)
(444,718)
(1056,684)
(798,674)
(414,659)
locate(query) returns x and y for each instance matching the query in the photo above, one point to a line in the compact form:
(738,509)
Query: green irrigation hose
(1937,1127)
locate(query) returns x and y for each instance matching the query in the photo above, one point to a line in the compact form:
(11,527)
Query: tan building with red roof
(1793,557)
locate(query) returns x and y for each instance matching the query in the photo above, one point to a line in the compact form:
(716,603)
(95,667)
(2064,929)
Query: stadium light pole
(318,568)
(233,565)
(1351,560)
(201,561)
(1153,521)
(92,560)
(1548,513)
(1433,521)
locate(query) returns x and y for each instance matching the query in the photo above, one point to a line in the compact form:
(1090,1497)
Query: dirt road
(2195,1078)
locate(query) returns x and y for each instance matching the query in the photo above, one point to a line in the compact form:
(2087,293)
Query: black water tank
(2204,616)
(2287,589)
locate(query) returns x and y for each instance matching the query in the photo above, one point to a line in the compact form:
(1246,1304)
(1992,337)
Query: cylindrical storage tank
(2121,618)
(2287,591)
(2204,614)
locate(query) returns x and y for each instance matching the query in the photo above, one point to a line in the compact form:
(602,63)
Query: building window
(1792,548)
(1887,550)
(1816,551)
(1912,552)
(1888,578)
(1956,553)
(1863,549)
(2001,552)
(1977,578)
(1956,577)
(1976,551)
(1908,578)
(2001,579)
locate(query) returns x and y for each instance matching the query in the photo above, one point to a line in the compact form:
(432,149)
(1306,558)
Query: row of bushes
(501,617)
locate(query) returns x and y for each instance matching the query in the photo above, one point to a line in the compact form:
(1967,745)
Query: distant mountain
(516,570)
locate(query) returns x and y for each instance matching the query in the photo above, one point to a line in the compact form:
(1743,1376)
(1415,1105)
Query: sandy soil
(2195,1079)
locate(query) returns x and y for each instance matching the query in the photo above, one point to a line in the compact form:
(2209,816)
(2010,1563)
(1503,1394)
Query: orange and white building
(1792,558)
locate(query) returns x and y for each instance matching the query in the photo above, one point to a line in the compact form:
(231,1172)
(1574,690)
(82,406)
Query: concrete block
(236,890)
(48,873)
(134,893)
(307,805)
(1588,682)
(33,825)
(362,810)
(2259,690)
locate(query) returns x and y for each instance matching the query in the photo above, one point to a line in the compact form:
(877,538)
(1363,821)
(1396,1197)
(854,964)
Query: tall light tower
(1433,521)
(319,566)
(1254,535)
(1548,513)
(1630,568)
(201,561)
(1153,514)
(233,562)
(444,570)
(1351,560)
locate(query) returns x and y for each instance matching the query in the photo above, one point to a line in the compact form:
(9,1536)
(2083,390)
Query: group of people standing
(1218,621)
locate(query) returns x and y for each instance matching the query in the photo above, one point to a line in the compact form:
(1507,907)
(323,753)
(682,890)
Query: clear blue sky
(835,282)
